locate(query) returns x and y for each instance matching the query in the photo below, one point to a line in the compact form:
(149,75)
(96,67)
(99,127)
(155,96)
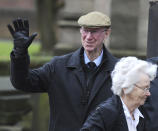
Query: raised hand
(20,34)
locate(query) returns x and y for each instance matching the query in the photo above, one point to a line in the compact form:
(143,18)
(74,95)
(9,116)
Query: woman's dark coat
(109,116)
(64,80)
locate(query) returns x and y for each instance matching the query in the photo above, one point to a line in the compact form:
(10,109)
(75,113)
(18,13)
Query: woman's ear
(123,91)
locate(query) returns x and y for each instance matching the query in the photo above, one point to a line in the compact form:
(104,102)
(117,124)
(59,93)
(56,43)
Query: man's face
(92,38)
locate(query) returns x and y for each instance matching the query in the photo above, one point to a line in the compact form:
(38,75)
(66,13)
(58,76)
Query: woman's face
(140,91)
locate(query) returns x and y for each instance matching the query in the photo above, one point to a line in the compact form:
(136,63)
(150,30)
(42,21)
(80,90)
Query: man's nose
(89,34)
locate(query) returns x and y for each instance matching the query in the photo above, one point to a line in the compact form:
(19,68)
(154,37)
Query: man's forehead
(94,28)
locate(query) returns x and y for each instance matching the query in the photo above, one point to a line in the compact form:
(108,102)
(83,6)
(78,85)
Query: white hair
(127,72)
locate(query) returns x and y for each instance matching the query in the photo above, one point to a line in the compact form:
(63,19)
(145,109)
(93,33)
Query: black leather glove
(20,34)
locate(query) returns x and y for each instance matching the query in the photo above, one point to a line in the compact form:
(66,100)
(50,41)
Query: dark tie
(92,66)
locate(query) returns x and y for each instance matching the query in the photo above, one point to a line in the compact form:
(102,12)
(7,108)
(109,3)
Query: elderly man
(130,83)
(75,82)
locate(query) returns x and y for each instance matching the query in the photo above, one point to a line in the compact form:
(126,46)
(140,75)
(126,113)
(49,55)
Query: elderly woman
(124,111)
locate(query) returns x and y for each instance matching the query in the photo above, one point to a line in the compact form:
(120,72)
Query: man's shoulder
(109,105)
(108,110)
(66,57)
(153,60)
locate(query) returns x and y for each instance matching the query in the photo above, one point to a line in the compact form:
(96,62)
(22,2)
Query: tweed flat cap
(94,19)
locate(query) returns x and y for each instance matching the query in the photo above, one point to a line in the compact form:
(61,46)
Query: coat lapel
(104,75)
(99,81)
(121,122)
(141,124)
(80,77)
(143,121)
(74,64)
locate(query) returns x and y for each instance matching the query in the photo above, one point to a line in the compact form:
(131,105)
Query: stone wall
(12,9)
(8,15)
(129,25)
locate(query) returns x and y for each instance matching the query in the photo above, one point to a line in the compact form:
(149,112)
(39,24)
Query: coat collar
(75,60)
(109,60)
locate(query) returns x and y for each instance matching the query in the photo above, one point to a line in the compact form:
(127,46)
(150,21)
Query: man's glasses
(92,31)
(144,89)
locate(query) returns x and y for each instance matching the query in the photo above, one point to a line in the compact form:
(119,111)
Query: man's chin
(90,50)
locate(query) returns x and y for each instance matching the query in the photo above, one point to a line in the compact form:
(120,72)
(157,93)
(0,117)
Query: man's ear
(81,30)
(108,32)
(123,90)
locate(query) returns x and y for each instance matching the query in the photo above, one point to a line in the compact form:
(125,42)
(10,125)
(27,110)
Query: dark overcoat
(63,78)
(151,104)
(109,116)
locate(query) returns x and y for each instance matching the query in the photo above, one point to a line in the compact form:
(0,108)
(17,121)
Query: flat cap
(94,19)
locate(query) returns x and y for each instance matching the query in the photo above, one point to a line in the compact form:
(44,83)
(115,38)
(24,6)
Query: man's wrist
(18,52)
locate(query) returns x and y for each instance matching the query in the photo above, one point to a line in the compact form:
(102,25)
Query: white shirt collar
(132,124)
(97,61)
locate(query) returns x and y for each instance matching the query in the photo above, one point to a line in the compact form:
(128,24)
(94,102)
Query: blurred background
(55,21)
